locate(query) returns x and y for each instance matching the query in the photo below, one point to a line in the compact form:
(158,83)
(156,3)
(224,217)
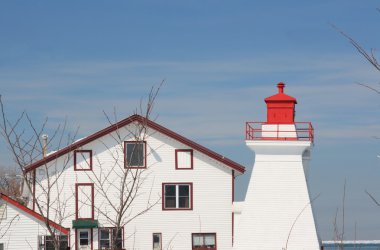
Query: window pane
(170,202)
(104,244)
(197,240)
(83,238)
(1,246)
(170,190)
(104,234)
(135,154)
(83,242)
(119,239)
(183,190)
(209,240)
(63,242)
(184,202)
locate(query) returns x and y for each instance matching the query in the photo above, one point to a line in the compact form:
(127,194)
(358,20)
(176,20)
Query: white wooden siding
(20,230)
(212,193)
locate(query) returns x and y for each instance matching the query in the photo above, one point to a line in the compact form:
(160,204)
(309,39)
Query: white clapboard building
(181,193)
(188,188)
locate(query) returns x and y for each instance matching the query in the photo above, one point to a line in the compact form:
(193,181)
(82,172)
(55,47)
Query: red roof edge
(125,122)
(27,210)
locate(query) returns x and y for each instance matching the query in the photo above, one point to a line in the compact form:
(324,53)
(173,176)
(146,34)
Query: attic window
(82,160)
(135,154)
(183,159)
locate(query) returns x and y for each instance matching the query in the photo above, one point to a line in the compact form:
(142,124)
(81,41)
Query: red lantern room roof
(280,96)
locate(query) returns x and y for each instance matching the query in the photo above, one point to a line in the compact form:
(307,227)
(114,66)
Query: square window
(82,160)
(135,154)
(183,159)
(177,196)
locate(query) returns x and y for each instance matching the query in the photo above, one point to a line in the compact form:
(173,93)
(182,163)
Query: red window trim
(192,242)
(160,238)
(122,235)
(177,183)
(76,200)
(125,155)
(75,160)
(76,238)
(191,159)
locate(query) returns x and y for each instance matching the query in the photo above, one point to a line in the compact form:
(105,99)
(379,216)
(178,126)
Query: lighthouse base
(277,212)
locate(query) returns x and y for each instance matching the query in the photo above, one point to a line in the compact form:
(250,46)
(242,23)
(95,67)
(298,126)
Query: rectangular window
(107,239)
(83,238)
(82,160)
(49,242)
(1,246)
(177,196)
(157,241)
(204,241)
(135,154)
(84,200)
(3,211)
(184,159)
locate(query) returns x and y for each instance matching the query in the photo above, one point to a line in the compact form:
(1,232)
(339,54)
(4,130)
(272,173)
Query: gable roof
(150,124)
(39,217)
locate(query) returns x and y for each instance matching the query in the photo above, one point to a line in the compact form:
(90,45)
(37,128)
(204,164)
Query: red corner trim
(149,123)
(34,214)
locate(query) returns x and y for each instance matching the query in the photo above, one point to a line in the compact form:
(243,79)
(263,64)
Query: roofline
(34,214)
(125,122)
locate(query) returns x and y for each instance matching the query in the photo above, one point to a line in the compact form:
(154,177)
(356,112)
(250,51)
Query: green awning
(85,223)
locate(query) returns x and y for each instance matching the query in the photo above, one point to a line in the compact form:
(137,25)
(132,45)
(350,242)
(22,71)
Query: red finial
(281,87)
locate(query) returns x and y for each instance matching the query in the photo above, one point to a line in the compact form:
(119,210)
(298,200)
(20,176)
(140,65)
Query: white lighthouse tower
(277,211)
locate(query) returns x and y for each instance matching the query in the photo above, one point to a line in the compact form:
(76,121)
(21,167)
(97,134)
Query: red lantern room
(280,107)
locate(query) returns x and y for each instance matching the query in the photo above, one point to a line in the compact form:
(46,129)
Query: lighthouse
(277,212)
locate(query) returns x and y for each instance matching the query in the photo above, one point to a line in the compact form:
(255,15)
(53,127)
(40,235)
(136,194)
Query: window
(107,235)
(83,160)
(135,154)
(47,242)
(3,212)
(177,196)
(1,246)
(183,159)
(84,201)
(83,238)
(157,241)
(204,241)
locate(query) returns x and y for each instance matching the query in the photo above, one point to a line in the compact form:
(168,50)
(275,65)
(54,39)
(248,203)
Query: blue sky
(219,59)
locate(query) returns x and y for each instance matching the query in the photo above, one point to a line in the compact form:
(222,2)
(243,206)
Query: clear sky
(220,59)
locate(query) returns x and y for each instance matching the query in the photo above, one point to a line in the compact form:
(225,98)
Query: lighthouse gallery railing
(303,131)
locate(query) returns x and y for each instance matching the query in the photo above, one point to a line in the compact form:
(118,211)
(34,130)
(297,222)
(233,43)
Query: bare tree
(129,172)
(10,183)
(371,57)
(26,145)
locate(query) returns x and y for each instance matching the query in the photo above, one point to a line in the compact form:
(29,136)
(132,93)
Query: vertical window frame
(75,159)
(160,240)
(191,196)
(177,167)
(144,157)
(77,185)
